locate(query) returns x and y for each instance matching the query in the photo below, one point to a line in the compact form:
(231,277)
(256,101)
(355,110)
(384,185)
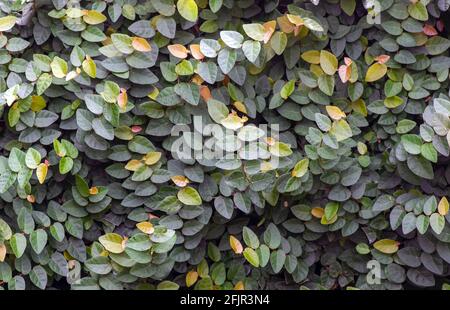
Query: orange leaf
(205,93)
(122,99)
(31,198)
(236,245)
(429,30)
(180,180)
(239,286)
(195,51)
(141,44)
(285,25)
(269,28)
(334,112)
(191,278)
(348,61)
(93,190)
(382,59)
(145,227)
(317,212)
(178,50)
(345,73)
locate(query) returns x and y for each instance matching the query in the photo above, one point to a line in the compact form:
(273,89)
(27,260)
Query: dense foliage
(116,171)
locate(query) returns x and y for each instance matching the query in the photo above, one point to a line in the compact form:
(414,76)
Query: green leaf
(38,240)
(418,11)
(429,152)
(251,256)
(217,110)
(251,50)
(65,165)
(32,158)
(232,39)
(437,45)
(18,244)
(189,196)
(412,143)
(278,42)
(38,277)
(437,222)
(277,259)
(250,238)
(331,210)
(16,160)
(272,237)
(5,230)
(82,186)
(341,130)
(255,31)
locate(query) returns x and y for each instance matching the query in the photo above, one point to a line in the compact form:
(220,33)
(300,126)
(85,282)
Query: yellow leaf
(362,148)
(93,190)
(335,112)
(324,220)
(93,17)
(191,278)
(233,122)
(443,206)
(178,50)
(89,67)
(7,22)
(180,180)
(239,286)
(328,62)
(317,212)
(341,130)
(236,245)
(316,70)
(141,45)
(393,102)
(296,20)
(152,158)
(154,93)
(41,172)
(375,72)
(360,107)
(2,252)
(312,57)
(113,243)
(146,227)
(266,166)
(386,246)
(75,13)
(37,103)
(188,9)
(240,107)
(133,165)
